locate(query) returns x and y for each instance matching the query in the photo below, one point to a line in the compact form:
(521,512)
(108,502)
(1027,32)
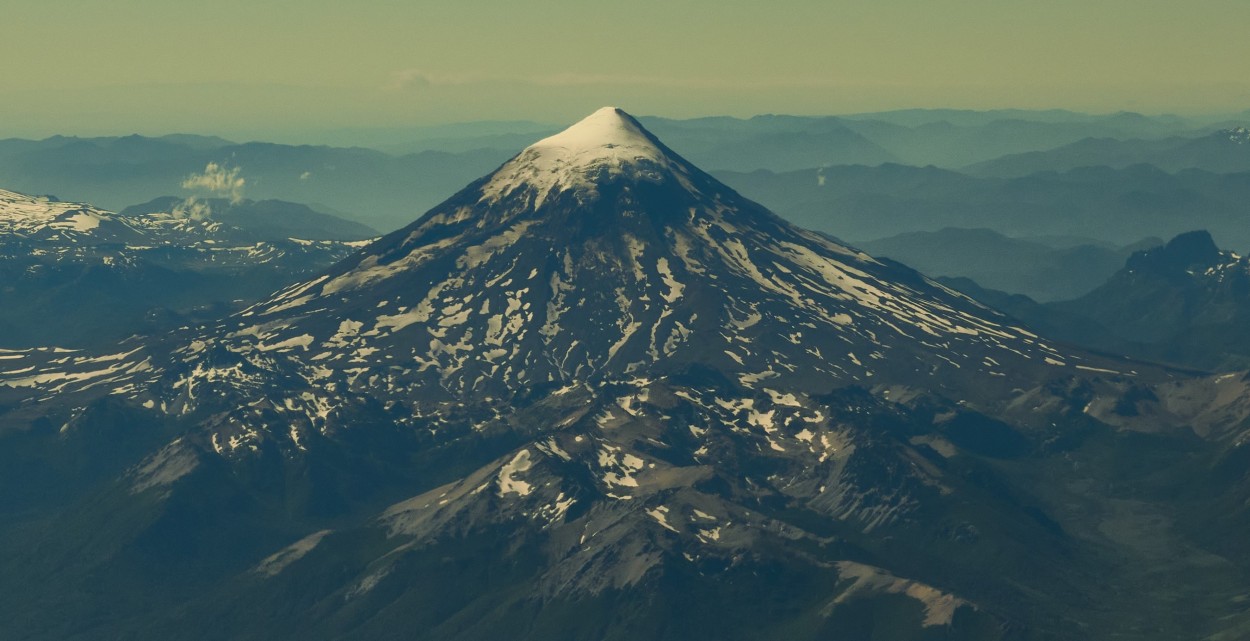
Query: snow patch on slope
(939,607)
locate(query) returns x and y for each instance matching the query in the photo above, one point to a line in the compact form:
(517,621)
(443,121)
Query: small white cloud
(218,180)
(194,209)
(306,175)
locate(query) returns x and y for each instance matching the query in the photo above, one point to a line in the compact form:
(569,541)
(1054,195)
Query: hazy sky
(153,66)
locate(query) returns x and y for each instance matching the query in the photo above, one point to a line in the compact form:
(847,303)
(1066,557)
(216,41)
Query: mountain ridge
(140,272)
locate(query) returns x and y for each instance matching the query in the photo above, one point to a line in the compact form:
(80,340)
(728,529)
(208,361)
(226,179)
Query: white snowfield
(25,216)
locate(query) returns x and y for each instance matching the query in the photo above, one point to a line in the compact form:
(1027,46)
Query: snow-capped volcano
(596,377)
(599,254)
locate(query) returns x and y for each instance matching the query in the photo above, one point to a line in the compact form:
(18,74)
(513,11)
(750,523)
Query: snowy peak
(608,143)
(606,134)
(1191,252)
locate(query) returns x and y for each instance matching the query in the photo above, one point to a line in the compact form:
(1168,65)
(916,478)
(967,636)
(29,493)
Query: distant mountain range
(955,139)
(254,220)
(943,137)
(1224,151)
(1186,303)
(74,275)
(779,143)
(377,189)
(385,189)
(1115,206)
(1036,268)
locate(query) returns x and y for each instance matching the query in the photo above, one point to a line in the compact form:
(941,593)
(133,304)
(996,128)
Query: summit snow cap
(606,133)
(607,141)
